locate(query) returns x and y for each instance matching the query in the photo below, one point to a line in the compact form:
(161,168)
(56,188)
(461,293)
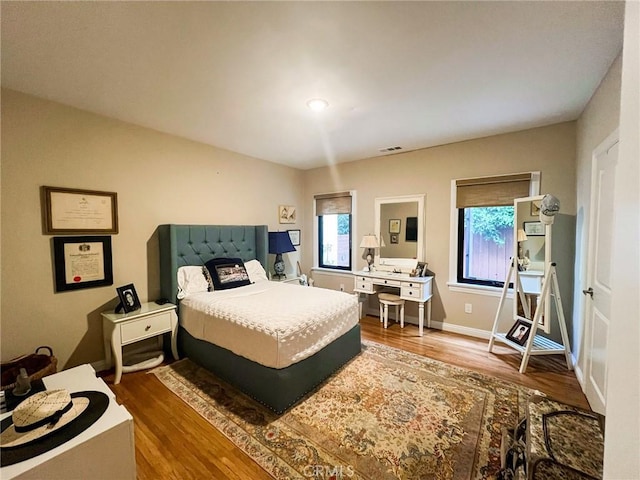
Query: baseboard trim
(100,365)
(447,327)
(468,331)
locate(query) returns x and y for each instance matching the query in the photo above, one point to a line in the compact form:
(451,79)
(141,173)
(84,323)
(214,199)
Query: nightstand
(295,280)
(150,320)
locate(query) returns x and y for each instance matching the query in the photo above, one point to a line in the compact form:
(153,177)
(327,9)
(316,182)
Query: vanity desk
(413,289)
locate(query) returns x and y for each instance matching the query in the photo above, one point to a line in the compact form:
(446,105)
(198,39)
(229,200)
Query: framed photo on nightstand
(129,300)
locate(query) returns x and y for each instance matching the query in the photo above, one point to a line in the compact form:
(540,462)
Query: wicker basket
(36,364)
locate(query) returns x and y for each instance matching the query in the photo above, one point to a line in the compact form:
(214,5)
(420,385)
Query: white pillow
(256,271)
(191,280)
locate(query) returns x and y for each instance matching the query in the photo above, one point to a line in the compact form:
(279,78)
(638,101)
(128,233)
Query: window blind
(499,191)
(333,203)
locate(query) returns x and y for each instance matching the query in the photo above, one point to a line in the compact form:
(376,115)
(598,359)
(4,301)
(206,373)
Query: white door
(598,288)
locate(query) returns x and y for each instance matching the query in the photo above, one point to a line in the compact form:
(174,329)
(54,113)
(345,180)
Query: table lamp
(369,242)
(279,243)
(521,238)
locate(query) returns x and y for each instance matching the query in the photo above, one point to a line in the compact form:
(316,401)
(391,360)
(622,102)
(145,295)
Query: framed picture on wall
(535,207)
(394,226)
(294,235)
(393,238)
(533,228)
(287,214)
(68,211)
(82,262)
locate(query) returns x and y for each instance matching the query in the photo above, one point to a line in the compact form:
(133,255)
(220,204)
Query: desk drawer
(411,292)
(389,283)
(364,285)
(145,327)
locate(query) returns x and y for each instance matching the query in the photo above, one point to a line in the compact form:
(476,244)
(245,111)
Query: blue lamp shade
(279,243)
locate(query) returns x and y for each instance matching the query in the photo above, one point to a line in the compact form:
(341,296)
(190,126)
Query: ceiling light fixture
(317,104)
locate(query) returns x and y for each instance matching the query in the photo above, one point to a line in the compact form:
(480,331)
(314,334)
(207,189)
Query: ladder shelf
(536,344)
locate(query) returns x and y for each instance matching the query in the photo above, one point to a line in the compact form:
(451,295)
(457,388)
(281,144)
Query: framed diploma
(72,211)
(82,262)
(394,225)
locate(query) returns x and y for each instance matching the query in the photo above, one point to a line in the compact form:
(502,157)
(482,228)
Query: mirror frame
(389,262)
(517,222)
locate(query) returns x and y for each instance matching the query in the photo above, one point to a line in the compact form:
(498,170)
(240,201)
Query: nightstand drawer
(145,327)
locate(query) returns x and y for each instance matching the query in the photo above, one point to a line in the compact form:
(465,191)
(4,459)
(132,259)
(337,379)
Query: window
(485,244)
(485,226)
(334,230)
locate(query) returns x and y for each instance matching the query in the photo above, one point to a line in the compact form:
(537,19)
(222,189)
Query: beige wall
(159,179)
(550,150)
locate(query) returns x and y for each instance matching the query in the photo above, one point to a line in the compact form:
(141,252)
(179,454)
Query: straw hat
(47,419)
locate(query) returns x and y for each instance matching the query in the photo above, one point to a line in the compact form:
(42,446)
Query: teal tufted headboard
(182,245)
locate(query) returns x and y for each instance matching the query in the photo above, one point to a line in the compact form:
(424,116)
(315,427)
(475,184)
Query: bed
(275,376)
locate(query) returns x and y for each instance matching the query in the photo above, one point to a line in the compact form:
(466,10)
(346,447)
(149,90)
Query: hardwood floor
(174,442)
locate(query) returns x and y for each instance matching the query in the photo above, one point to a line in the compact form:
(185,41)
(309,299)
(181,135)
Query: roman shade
(333,203)
(498,191)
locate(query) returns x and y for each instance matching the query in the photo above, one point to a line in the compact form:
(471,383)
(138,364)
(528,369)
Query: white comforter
(274,324)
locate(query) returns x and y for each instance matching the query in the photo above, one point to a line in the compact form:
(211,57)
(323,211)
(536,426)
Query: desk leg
(420,318)
(429,313)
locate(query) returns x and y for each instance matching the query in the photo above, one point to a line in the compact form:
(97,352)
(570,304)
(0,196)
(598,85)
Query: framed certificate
(82,262)
(535,229)
(73,211)
(294,235)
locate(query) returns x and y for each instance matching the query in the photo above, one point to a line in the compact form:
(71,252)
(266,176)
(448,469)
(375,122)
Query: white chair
(387,299)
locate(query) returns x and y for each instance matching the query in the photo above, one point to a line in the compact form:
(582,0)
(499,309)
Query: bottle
(23,384)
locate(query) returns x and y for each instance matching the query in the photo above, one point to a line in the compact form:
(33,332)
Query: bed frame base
(277,389)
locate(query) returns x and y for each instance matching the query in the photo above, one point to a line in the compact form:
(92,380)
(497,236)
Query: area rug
(387,414)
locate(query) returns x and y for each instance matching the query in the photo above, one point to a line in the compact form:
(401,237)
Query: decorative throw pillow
(207,275)
(191,279)
(227,273)
(256,271)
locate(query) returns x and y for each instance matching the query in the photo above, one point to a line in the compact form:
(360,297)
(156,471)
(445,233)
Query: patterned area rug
(387,414)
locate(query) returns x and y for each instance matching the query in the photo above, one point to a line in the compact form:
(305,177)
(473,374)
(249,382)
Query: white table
(413,289)
(105,450)
(150,320)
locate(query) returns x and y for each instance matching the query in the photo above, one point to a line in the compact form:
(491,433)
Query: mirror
(400,226)
(530,247)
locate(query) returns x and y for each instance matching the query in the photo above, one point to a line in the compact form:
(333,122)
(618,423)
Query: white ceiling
(237,75)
